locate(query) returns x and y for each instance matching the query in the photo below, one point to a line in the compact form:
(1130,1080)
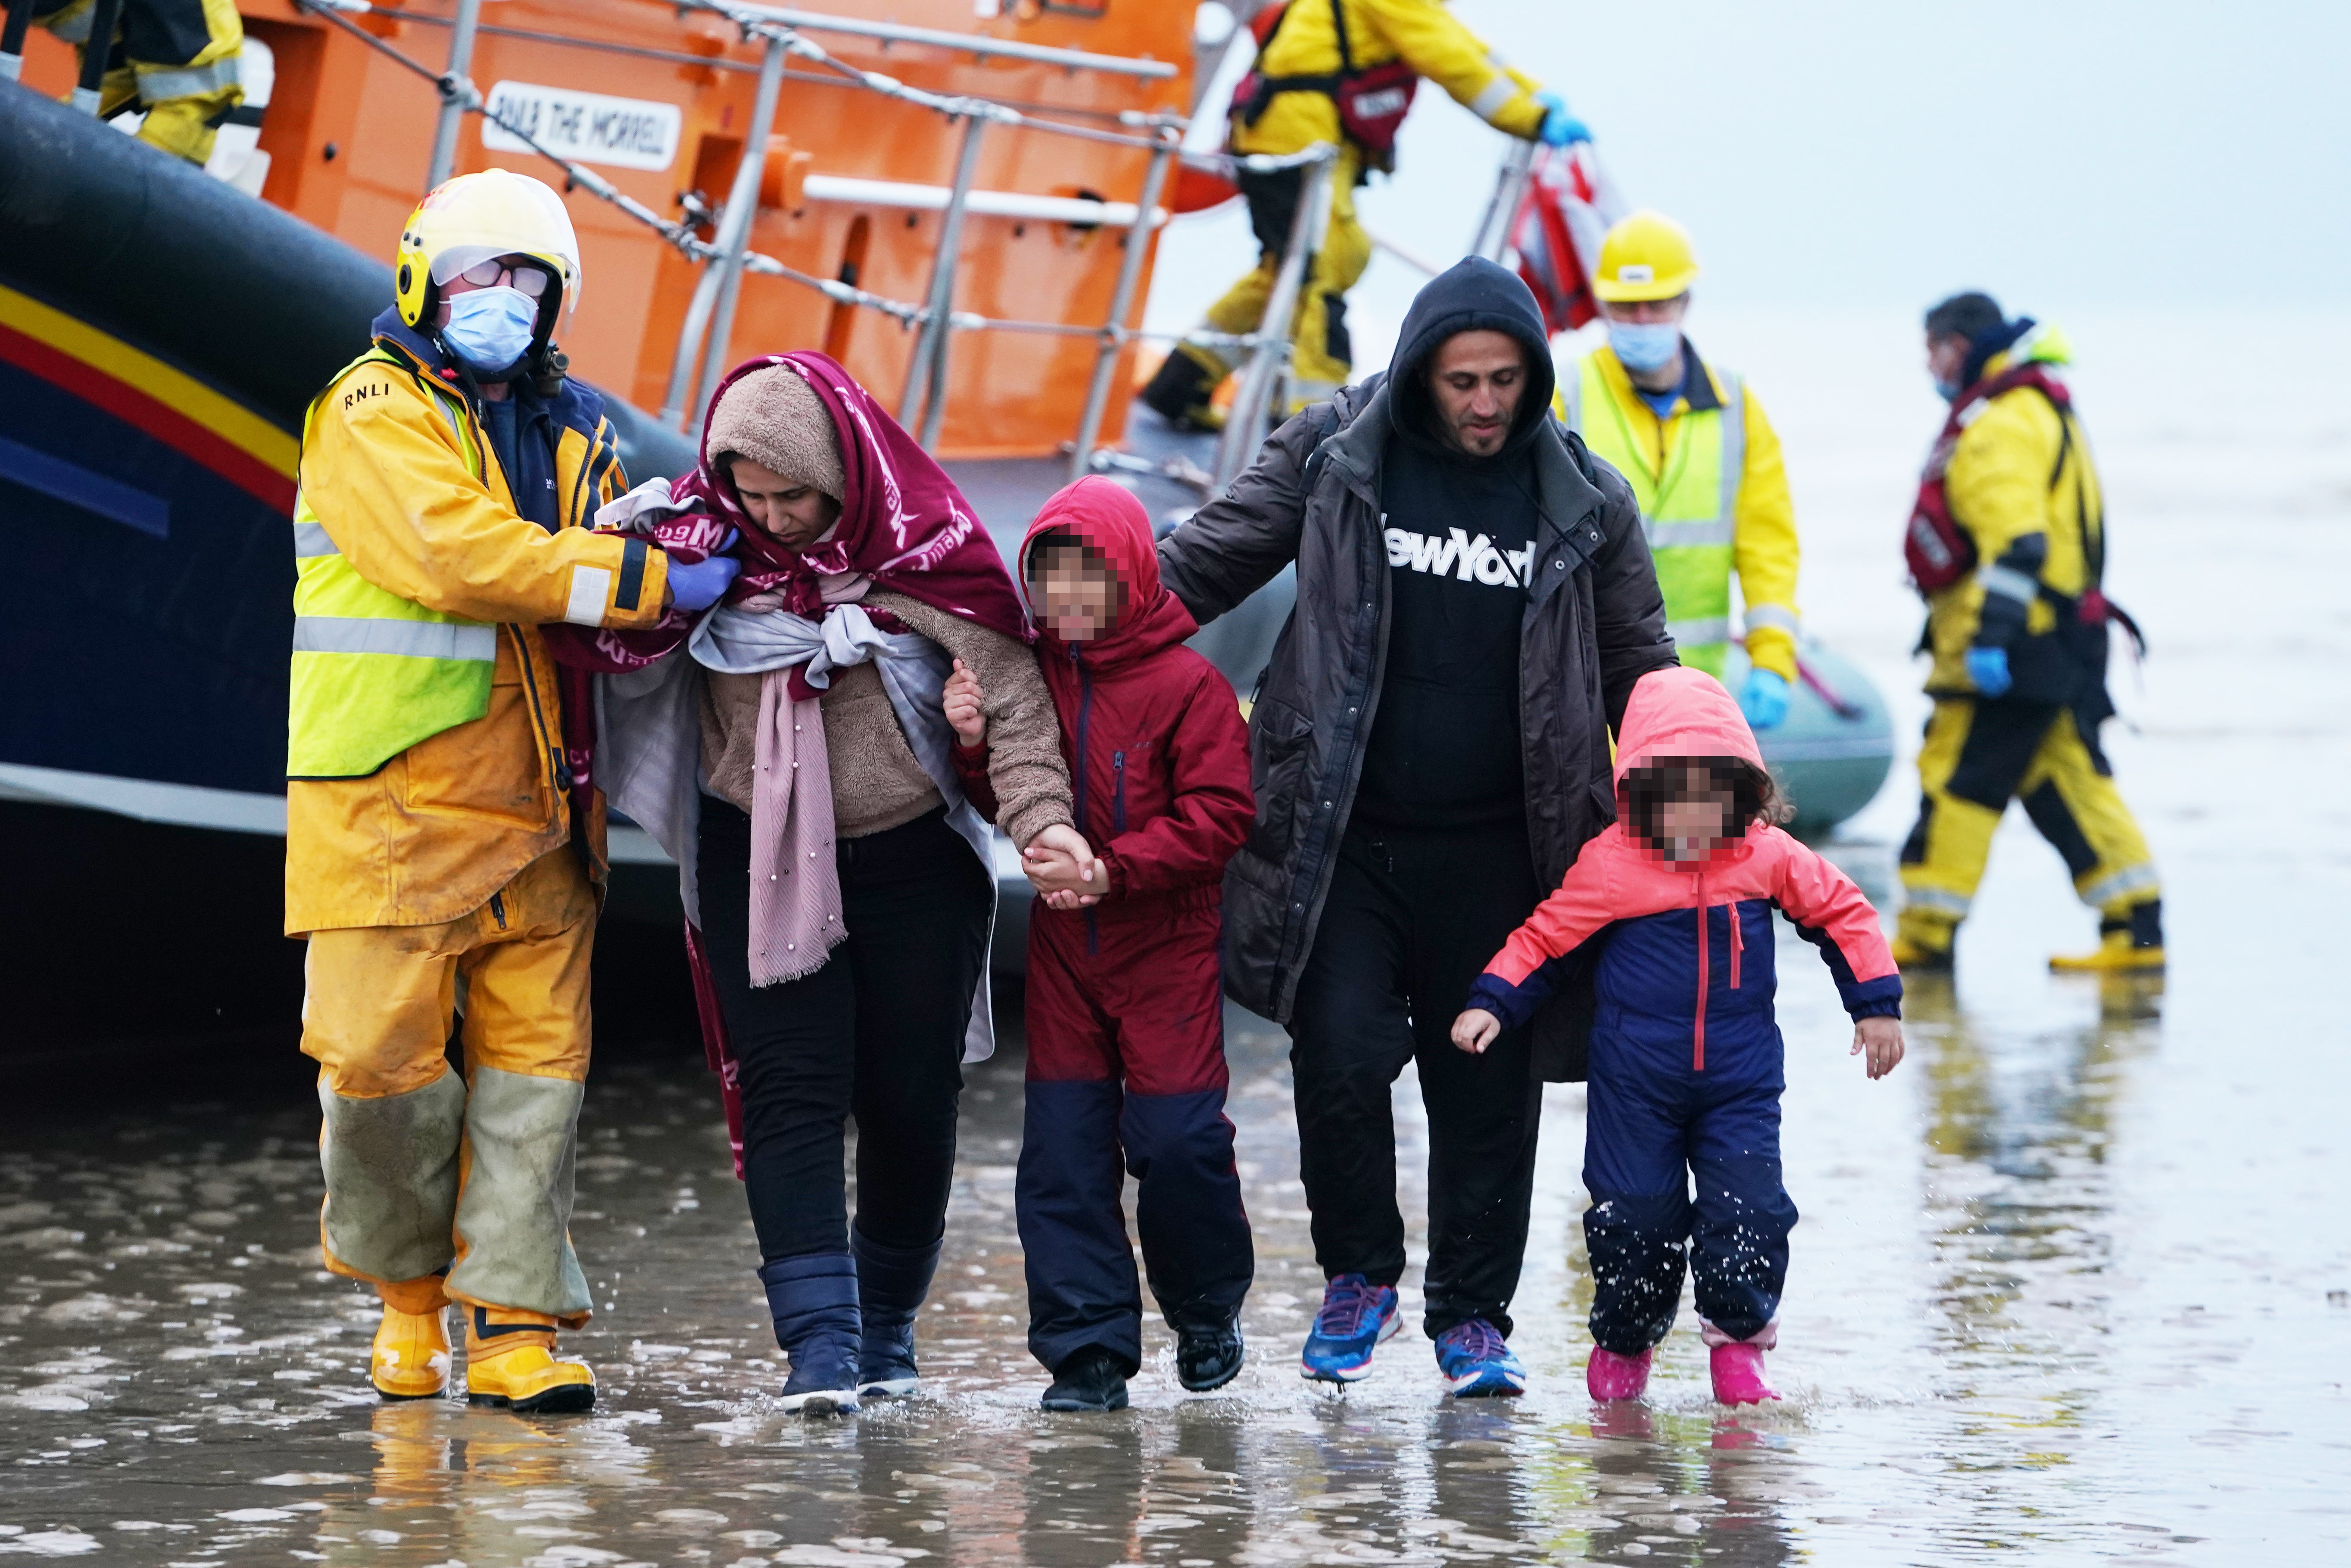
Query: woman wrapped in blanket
(790,750)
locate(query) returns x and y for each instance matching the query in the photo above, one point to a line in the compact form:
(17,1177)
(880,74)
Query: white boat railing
(704,339)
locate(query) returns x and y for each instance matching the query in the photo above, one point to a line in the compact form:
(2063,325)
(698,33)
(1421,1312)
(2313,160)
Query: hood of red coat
(1106,516)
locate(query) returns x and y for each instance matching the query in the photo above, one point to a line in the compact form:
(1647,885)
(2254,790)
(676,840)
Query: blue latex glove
(695,586)
(1764,699)
(1987,667)
(1559,129)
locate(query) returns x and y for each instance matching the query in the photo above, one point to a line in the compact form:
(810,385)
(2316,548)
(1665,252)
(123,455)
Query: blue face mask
(490,328)
(1949,391)
(1644,347)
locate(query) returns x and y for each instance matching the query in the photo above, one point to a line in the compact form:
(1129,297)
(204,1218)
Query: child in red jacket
(1125,1014)
(1673,903)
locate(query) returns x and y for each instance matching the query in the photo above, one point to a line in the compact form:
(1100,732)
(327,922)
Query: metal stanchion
(1129,273)
(453,107)
(742,208)
(1502,210)
(927,372)
(94,54)
(1245,423)
(12,39)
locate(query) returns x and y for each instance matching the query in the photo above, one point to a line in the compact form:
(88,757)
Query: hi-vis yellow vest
(1687,513)
(375,673)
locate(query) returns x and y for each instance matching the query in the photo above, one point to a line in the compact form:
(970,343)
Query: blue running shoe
(1476,1361)
(1356,1315)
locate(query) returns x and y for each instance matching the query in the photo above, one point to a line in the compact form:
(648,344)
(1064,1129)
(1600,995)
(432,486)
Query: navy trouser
(1126,1075)
(1651,1124)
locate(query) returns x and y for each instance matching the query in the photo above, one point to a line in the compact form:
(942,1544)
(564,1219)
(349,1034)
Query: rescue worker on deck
(2018,626)
(178,59)
(1702,460)
(1315,57)
(441,859)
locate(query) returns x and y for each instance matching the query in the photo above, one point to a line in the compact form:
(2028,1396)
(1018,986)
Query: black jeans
(1414,916)
(876,1034)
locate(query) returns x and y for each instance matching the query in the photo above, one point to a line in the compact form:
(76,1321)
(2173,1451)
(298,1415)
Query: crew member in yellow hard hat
(1692,441)
(441,858)
(1342,72)
(2011,520)
(177,59)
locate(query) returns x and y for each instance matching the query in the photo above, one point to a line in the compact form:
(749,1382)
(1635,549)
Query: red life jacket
(1372,101)
(1937,549)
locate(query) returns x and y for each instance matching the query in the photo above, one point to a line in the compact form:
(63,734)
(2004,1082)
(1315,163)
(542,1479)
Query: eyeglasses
(530,281)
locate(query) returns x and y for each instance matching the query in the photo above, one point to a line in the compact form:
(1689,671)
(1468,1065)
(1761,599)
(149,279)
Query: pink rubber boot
(1737,1370)
(1609,1376)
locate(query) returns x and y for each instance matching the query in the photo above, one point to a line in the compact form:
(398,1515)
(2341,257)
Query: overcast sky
(2067,155)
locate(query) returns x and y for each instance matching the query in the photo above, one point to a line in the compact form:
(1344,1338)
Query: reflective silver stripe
(1759,615)
(1698,633)
(409,638)
(1734,445)
(2138,878)
(188,81)
(1570,397)
(1496,98)
(1676,536)
(2008,583)
(311,539)
(1942,900)
(73,29)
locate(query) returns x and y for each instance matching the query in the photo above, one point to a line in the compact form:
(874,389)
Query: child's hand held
(1474,1030)
(962,699)
(1881,1039)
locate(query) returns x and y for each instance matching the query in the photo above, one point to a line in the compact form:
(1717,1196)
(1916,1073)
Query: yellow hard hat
(1645,256)
(466,221)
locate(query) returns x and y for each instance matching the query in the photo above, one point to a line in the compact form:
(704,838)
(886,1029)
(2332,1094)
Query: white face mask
(1644,346)
(490,328)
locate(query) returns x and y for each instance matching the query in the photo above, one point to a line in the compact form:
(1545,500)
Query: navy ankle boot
(814,1300)
(892,1282)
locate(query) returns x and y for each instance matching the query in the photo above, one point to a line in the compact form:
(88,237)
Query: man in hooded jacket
(1429,749)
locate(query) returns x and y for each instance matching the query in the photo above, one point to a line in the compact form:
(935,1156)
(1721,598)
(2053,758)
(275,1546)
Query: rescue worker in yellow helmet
(1704,463)
(1342,72)
(177,59)
(2008,541)
(443,864)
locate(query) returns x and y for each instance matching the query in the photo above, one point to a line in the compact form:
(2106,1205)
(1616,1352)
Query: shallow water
(2073,1284)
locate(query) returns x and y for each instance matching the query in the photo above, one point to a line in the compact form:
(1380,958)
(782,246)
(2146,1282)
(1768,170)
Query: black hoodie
(1460,531)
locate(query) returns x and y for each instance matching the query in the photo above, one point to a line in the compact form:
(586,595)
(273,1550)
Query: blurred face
(1697,818)
(1947,358)
(793,514)
(1477,380)
(1077,595)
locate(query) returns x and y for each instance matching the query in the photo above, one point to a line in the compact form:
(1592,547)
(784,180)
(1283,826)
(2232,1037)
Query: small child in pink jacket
(1673,905)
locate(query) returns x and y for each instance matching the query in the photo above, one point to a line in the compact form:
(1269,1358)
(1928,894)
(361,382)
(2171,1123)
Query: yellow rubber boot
(1912,955)
(410,1358)
(511,1361)
(2117,953)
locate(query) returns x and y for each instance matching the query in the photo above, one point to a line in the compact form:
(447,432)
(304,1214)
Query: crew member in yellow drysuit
(1703,462)
(176,58)
(1312,51)
(2019,646)
(437,854)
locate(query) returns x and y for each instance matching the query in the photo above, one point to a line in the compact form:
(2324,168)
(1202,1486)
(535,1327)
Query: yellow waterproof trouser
(427,1171)
(1979,755)
(1320,364)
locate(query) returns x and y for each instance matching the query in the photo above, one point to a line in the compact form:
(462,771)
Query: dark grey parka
(1594,623)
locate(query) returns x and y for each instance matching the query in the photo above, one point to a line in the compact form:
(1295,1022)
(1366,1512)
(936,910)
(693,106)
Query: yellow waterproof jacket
(2007,487)
(1421,33)
(433,833)
(1764,550)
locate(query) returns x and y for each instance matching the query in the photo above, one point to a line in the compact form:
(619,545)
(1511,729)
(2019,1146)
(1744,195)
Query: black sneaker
(1210,1357)
(1090,1379)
